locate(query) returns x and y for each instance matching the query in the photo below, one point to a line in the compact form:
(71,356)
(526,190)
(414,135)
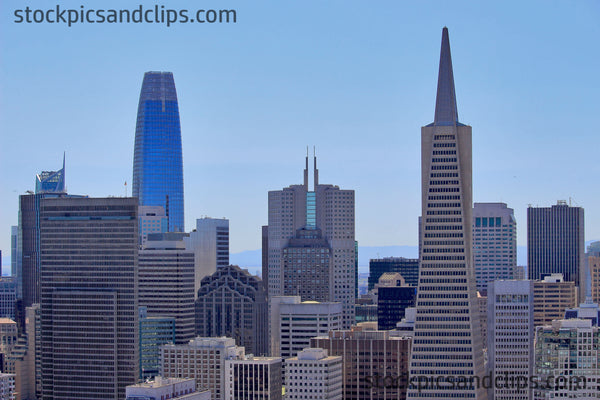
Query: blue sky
(353,79)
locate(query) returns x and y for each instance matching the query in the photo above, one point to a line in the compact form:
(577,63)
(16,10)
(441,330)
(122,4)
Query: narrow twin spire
(446,112)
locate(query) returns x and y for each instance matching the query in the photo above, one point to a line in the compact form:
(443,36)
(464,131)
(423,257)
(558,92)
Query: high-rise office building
(392,301)
(551,297)
(8,296)
(510,336)
(166,282)
(368,358)
(14,248)
(231,302)
(294,322)
(27,240)
(494,243)
(311,243)
(407,267)
(566,360)
(447,341)
(313,375)
(202,359)
(89,297)
(157,159)
(254,378)
(265,256)
(154,332)
(210,243)
(555,243)
(592,264)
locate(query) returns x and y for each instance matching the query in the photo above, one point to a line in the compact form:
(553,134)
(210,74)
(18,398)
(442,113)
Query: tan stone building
(375,365)
(551,297)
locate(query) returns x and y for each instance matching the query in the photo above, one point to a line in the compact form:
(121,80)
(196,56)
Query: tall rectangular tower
(311,244)
(89,297)
(447,339)
(494,243)
(510,336)
(555,243)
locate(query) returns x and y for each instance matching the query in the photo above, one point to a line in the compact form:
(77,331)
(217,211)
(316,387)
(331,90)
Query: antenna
(125,188)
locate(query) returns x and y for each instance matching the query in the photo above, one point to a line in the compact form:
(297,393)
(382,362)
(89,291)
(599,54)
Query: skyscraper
(89,297)
(555,243)
(210,244)
(157,159)
(166,282)
(510,336)
(28,241)
(494,243)
(447,338)
(311,244)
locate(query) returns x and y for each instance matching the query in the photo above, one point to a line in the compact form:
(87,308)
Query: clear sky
(356,79)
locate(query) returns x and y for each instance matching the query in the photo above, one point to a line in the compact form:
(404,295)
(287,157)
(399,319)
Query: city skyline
(251,100)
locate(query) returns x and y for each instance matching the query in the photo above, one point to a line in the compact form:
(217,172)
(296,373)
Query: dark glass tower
(157,160)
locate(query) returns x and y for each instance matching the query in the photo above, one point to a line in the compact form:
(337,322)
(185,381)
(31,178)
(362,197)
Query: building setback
(89,268)
(447,335)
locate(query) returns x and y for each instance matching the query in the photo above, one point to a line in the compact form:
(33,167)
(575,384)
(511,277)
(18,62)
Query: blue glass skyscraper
(157,160)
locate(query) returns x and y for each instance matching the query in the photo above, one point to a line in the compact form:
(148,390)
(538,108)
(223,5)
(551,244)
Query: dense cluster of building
(110,298)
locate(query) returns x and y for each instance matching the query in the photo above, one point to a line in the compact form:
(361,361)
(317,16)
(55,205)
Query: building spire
(446,112)
(316,171)
(306,171)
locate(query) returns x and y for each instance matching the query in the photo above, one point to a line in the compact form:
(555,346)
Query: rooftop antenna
(125,188)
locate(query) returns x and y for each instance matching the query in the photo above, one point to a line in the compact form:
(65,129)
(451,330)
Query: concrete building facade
(311,244)
(313,375)
(510,336)
(447,335)
(494,243)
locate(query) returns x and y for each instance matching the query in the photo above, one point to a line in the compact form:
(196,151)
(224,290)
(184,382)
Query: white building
(202,359)
(253,378)
(210,243)
(494,243)
(166,388)
(313,375)
(294,323)
(510,337)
